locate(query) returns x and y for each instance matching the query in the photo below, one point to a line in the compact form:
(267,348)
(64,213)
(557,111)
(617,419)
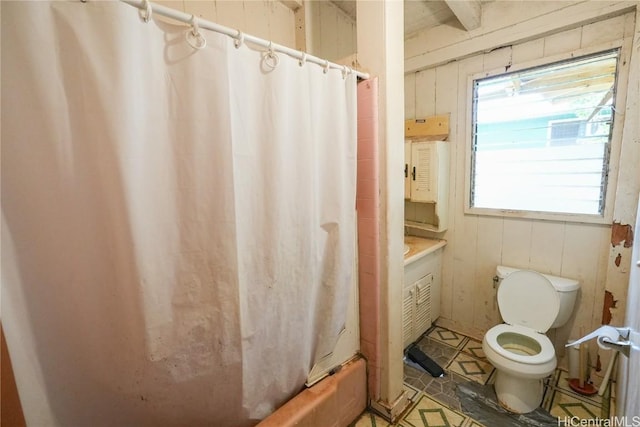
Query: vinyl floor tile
(474,348)
(436,401)
(567,405)
(563,384)
(428,412)
(447,337)
(369,419)
(412,392)
(471,368)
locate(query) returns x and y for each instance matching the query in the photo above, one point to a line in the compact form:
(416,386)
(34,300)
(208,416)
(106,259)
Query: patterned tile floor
(436,401)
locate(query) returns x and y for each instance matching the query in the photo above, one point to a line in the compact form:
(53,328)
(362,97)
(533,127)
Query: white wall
(331,33)
(380,37)
(478,243)
(267,19)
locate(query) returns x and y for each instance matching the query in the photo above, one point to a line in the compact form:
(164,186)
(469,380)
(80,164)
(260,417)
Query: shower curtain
(177,224)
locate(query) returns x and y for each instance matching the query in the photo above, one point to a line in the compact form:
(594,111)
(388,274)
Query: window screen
(541,137)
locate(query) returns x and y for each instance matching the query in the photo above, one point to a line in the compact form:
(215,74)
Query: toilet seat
(546,354)
(527,298)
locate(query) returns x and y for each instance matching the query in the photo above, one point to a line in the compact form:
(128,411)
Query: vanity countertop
(420,247)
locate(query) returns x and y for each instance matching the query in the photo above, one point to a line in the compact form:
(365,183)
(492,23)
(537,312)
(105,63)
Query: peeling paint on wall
(618,259)
(620,233)
(609,303)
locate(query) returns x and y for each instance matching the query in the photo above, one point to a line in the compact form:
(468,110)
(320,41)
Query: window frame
(606,217)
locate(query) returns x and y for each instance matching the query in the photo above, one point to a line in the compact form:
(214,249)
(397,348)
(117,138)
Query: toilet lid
(527,298)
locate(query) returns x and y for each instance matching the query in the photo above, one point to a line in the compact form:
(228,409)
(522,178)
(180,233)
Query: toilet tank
(566,288)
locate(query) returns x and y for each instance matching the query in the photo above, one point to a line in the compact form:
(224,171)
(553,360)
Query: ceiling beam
(534,25)
(292,4)
(468,12)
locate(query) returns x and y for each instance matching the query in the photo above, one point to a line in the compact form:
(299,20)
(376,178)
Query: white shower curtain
(177,224)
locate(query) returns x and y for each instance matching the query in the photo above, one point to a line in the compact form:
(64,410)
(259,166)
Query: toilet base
(516,394)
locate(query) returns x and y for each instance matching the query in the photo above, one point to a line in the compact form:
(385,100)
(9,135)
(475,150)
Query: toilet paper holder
(605,338)
(623,346)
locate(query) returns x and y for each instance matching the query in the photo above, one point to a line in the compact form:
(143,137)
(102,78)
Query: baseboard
(391,411)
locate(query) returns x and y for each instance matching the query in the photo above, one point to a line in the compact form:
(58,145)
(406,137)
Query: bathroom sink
(406,249)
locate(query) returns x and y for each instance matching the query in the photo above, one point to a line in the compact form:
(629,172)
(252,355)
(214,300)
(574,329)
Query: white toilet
(530,304)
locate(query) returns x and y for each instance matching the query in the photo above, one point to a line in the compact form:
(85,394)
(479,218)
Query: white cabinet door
(407,170)
(407,315)
(422,318)
(416,309)
(424,173)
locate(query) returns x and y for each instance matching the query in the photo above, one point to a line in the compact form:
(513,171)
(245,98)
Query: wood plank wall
(478,243)
(330,32)
(267,19)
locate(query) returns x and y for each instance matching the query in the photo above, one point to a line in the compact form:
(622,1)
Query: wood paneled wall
(478,243)
(331,33)
(267,19)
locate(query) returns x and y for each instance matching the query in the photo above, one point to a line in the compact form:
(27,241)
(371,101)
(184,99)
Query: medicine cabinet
(426,184)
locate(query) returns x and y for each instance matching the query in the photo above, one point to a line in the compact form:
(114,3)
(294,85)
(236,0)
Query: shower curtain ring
(269,59)
(195,29)
(145,14)
(239,39)
(303,59)
(345,71)
(193,36)
(326,66)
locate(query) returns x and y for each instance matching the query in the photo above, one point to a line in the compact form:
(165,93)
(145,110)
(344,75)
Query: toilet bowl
(530,303)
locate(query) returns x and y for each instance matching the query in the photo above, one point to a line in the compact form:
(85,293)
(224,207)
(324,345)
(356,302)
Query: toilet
(530,304)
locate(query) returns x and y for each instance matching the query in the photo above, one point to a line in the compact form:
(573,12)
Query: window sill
(544,216)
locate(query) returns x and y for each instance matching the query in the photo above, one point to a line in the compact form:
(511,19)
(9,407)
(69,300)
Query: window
(541,137)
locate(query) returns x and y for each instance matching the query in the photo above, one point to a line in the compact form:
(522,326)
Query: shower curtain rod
(236,34)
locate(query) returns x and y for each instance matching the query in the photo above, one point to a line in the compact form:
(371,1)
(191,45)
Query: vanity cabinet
(421,294)
(416,309)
